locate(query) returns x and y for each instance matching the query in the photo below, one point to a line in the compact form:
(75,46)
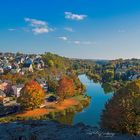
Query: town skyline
(72,58)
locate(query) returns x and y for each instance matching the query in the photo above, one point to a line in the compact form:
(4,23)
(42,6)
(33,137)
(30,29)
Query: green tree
(108,76)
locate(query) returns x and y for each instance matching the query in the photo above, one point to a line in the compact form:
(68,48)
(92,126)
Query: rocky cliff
(49,130)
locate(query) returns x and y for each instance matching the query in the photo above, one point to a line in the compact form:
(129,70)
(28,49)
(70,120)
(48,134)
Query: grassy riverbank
(51,111)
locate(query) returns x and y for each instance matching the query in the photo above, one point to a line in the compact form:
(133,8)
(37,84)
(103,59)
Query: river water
(91,114)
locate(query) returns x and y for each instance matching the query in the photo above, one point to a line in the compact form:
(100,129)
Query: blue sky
(96,29)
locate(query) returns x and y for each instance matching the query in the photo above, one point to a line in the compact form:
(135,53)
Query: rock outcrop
(49,130)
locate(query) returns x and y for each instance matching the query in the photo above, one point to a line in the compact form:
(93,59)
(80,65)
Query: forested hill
(54,60)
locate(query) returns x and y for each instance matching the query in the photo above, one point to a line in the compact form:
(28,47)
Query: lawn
(73,103)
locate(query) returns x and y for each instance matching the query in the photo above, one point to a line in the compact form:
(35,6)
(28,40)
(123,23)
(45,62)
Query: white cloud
(72,16)
(77,42)
(38,26)
(35,22)
(40,30)
(63,38)
(11,29)
(69,29)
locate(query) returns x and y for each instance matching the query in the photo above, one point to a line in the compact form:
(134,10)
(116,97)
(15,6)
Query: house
(19,59)
(3,86)
(17,89)
(2,94)
(42,83)
(1,70)
(6,88)
(27,66)
(38,63)
(134,77)
(3,98)
(15,68)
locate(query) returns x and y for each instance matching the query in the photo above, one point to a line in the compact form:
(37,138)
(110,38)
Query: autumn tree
(65,87)
(51,63)
(78,86)
(122,112)
(32,95)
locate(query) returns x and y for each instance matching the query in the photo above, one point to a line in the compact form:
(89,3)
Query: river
(91,114)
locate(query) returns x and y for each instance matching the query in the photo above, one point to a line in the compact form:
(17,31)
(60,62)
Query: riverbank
(49,130)
(51,111)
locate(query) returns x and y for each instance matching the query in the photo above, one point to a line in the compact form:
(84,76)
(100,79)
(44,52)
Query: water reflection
(66,119)
(90,115)
(108,88)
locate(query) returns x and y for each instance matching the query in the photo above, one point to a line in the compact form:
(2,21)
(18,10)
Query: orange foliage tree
(65,87)
(32,96)
(122,112)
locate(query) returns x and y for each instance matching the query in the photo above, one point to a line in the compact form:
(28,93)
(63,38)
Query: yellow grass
(33,113)
(66,103)
(55,107)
